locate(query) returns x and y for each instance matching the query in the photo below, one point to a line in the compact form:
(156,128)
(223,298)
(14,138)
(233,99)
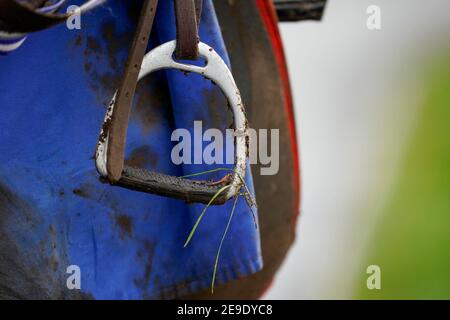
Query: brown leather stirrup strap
(124,98)
(187,13)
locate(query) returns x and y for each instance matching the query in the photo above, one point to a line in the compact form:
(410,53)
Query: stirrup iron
(111,145)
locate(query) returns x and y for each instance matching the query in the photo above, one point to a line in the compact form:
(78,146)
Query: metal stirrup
(171,186)
(111,145)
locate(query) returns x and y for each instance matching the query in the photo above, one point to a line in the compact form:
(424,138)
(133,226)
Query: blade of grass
(221,243)
(249,199)
(191,234)
(249,195)
(205,172)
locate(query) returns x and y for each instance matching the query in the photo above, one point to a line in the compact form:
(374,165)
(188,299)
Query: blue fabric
(129,245)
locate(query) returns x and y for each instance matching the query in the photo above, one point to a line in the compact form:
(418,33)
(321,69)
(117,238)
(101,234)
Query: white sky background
(356,95)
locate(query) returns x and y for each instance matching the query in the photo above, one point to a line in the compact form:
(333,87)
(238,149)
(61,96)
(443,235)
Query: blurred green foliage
(412,242)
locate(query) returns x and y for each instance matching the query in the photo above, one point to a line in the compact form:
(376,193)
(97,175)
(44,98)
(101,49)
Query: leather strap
(187,13)
(124,98)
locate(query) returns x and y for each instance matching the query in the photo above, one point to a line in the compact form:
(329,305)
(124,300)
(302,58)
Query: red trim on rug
(270,19)
(269,16)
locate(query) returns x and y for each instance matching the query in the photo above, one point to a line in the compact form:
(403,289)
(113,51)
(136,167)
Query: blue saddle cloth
(54,212)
